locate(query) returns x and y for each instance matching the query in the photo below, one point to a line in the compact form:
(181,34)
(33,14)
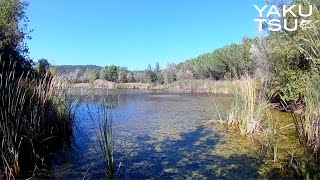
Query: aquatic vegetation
(270,137)
(247,108)
(308,129)
(277,129)
(307,123)
(34,113)
(105,135)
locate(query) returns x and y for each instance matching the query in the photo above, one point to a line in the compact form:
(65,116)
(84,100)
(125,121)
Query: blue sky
(135,33)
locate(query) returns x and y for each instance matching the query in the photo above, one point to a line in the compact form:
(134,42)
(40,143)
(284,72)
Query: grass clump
(106,144)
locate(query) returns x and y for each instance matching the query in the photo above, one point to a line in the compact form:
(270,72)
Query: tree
(109,73)
(42,66)
(89,76)
(131,78)
(52,71)
(122,74)
(262,64)
(157,71)
(74,77)
(169,73)
(291,66)
(150,75)
(13,30)
(184,72)
(231,61)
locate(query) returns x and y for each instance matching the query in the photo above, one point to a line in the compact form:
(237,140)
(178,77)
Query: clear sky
(135,33)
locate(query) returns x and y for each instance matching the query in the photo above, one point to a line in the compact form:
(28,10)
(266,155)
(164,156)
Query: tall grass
(106,144)
(104,117)
(13,98)
(308,124)
(132,86)
(33,112)
(247,107)
(308,129)
(200,86)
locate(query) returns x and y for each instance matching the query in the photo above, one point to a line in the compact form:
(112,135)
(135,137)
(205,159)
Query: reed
(271,134)
(104,118)
(247,107)
(308,129)
(13,98)
(33,112)
(201,86)
(106,138)
(132,86)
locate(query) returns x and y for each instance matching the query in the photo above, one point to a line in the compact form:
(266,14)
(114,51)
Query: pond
(158,135)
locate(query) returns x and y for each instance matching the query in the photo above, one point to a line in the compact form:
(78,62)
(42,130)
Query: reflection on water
(157,135)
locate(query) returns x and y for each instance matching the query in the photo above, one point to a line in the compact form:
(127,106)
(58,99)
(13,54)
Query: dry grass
(132,86)
(200,86)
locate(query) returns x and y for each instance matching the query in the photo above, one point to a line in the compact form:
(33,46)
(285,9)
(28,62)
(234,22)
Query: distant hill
(67,69)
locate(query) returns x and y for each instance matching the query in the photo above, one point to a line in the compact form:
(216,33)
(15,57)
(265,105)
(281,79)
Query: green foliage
(90,76)
(105,134)
(149,75)
(307,129)
(67,69)
(109,73)
(114,73)
(169,74)
(290,60)
(42,67)
(13,30)
(33,114)
(12,12)
(122,74)
(292,84)
(231,61)
(247,108)
(159,76)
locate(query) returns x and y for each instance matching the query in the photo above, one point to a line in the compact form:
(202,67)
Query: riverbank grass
(34,113)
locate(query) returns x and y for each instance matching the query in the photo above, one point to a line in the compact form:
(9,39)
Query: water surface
(158,135)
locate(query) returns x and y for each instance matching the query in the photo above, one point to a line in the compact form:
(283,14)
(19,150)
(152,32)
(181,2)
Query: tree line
(279,59)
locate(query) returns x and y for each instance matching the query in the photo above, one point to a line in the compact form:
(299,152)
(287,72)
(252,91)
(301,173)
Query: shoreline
(188,86)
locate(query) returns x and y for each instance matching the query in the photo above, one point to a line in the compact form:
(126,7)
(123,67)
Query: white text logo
(272,17)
